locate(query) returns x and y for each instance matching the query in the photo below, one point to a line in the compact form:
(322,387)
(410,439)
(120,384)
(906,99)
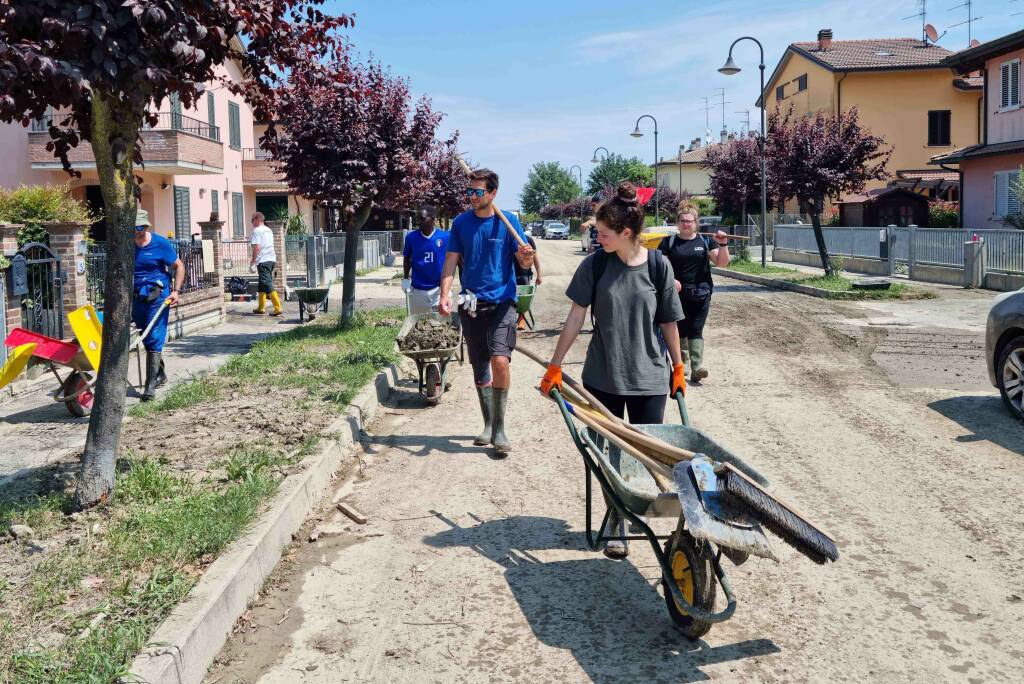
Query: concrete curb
(777,284)
(185,645)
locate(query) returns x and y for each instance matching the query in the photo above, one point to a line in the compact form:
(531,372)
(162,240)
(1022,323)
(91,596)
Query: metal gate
(3,320)
(37,279)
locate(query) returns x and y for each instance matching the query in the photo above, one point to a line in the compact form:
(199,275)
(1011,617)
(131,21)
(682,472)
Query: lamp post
(680,160)
(595,160)
(579,170)
(729,69)
(637,134)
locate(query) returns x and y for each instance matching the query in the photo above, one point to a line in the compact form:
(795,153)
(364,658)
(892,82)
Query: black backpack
(657,271)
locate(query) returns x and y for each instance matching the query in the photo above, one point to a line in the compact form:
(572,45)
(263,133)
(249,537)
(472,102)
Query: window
(1007,193)
(211,115)
(237,216)
(214,203)
(801,83)
(234,126)
(1009,84)
(780,93)
(938,127)
(175,111)
(182,214)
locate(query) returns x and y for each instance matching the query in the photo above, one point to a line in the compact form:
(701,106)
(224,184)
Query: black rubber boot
(152,373)
(484,395)
(498,439)
(161,376)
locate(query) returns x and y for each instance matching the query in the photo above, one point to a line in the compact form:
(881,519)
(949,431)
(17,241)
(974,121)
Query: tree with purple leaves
(819,158)
(352,139)
(102,64)
(735,176)
(447,181)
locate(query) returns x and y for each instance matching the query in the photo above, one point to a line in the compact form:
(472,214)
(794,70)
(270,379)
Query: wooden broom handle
(731,237)
(501,215)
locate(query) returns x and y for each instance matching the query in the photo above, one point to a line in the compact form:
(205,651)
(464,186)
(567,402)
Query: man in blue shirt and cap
(488,251)
(155,260)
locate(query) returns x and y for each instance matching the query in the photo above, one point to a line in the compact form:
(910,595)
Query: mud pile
(430,334)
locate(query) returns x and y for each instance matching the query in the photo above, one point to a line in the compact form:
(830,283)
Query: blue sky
(531,81)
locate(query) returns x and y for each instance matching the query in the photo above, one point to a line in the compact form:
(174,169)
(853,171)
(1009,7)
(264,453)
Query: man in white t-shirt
(264,260)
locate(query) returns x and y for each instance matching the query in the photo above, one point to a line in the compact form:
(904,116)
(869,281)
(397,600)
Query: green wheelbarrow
(312,300)
(525,295)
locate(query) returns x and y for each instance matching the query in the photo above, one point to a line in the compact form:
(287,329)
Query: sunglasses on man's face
(475,192)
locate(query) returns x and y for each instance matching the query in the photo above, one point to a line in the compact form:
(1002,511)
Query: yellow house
(902,91)
(683,172)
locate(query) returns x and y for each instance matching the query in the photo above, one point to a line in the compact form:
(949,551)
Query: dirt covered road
(875,419)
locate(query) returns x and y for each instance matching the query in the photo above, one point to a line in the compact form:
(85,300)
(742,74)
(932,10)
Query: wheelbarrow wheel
(432,384)
(77,387)
(694,574)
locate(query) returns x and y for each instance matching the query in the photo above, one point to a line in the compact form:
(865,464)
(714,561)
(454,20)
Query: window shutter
(1012,198)
(237,218)
(235,126)
(214,202)
(182,214)
(780,92)
(1015,83)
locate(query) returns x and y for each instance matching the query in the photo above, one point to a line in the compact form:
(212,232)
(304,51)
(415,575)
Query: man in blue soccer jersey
(424,258)
(488,251)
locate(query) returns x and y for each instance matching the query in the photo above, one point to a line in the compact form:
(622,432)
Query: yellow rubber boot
(261,307)
(276,301)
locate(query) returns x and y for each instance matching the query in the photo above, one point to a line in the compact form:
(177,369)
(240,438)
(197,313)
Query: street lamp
(579,169)
(638,134)
(730,69)
(680,160)
(607,154)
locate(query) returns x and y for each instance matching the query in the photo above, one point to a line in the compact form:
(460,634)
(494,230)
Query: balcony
(258,170)
(176,145)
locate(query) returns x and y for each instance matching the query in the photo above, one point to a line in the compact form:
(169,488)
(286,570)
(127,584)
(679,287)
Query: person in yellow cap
(264,261)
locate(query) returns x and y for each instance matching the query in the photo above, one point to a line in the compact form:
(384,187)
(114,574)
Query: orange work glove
(678,379)
(552,379)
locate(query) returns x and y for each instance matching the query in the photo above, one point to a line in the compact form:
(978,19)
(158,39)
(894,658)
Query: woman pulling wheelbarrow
(634,307)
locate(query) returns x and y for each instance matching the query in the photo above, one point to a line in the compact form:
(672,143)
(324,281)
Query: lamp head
(636,132)
(729,68)
(595,160)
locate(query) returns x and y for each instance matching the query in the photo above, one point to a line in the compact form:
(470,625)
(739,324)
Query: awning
(976,151)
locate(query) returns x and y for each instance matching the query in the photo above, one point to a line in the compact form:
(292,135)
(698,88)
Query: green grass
(844,285)
(180,396)
(755,268)
(160,526)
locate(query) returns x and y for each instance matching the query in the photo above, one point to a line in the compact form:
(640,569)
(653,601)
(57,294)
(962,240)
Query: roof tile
(880,53)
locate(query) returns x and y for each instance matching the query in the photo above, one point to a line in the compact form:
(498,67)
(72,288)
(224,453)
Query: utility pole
(707,119)
(724,101)
(746,119)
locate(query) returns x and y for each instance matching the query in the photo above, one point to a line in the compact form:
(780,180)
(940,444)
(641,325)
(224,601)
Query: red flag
(644,195)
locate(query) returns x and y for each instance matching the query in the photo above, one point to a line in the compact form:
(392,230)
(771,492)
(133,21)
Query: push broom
(784,519)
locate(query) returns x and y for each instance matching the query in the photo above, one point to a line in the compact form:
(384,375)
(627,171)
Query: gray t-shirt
(625,355)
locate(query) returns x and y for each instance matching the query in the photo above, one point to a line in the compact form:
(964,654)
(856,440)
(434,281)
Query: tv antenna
(724,102)
(746,119)
(969,21)
(707,118)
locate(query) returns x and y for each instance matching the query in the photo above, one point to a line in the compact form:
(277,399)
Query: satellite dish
(930,31)
(975,43)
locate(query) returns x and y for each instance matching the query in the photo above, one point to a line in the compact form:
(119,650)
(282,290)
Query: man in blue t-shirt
(488,251)
(424,252)
(155,261)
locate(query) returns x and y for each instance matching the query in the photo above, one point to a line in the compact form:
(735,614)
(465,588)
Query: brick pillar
(280,275)
(67,240)
(211,231)
(8,246)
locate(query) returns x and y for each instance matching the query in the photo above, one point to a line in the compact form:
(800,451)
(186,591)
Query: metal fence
(95,273)
(235,256)
(852,242)
(190,253)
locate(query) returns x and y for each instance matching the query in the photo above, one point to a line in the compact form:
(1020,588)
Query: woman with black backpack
(631,293)
(691,256)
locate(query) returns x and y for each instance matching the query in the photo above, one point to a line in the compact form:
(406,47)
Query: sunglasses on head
(475,192)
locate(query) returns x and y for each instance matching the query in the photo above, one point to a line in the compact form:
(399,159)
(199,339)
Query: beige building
(197,161)
(903,91)
(683,172)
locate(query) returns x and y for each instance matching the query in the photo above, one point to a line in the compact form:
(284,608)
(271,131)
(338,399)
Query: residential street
(875,418)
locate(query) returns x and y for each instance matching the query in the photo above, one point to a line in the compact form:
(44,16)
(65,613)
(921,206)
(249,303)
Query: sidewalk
(35,431)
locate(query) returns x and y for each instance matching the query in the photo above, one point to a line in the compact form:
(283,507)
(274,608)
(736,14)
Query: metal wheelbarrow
(431,364)
(312,300)
(691,567)
(525,295)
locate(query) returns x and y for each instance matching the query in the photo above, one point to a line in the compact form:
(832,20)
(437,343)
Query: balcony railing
(165,121)
(255,154)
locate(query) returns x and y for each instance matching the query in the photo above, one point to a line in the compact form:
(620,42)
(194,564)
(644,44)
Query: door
(94,200)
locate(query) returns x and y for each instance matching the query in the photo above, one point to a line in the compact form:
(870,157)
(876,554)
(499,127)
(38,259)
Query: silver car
(1004,349)
(556,231)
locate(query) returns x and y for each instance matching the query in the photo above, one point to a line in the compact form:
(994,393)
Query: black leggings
(648,409)
(691,327)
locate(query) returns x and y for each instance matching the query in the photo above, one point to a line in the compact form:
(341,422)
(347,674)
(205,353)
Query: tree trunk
(113,133)
(819,237)
(348,289)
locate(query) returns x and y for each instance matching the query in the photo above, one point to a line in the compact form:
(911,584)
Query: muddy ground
(875,418)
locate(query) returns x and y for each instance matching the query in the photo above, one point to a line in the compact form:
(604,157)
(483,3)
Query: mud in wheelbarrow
(691,568)
(431,364)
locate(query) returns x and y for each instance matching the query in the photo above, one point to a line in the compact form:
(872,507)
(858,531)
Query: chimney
(824,39)
(724,136)
(732,137)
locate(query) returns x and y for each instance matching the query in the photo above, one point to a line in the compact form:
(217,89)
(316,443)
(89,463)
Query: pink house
(989,170)
(197,161)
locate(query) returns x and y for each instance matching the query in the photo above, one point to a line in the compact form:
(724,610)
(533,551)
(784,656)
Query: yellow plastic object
(89,333)
(653,239)
(16,362)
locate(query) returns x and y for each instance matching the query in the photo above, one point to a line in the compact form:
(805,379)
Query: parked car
(1004,349)
(537,229)
(556,231)
(708,221)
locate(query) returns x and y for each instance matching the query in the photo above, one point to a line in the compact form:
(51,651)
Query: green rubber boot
(484,395)
(498,439)
(697,370)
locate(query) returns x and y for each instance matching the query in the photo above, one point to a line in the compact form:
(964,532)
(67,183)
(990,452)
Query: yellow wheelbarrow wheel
(694,575)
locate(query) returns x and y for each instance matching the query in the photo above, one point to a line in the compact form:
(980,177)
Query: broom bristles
(785,524)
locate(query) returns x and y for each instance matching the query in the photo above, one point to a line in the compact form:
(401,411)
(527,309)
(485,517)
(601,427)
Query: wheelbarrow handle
(684,415)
